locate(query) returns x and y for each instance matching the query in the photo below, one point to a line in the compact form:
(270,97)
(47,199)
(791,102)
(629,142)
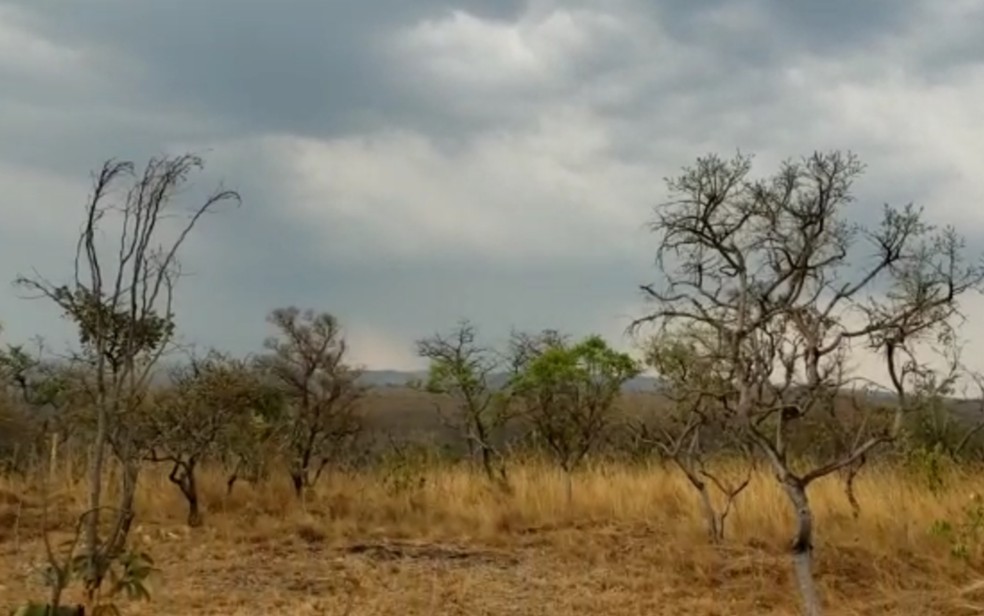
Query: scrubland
(752,334)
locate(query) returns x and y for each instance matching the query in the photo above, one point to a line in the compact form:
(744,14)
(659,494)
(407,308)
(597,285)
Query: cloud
(542,50)
(24,54)
(373,347)
(550,193)
(927,129)
(406,164)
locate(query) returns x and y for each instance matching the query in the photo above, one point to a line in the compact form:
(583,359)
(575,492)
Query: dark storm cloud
(651,85)
(308,66)
(323,68)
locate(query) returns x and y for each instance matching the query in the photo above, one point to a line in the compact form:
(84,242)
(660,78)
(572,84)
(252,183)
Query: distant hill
(398,378)
(390,378)
(967,410)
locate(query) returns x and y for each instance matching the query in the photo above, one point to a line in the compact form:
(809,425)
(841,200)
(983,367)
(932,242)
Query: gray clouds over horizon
(404,165)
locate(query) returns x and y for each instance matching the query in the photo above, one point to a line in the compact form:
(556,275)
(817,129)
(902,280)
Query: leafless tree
(121,300)
(698,427)
(846,435)
(789,285)
(524,347)
(462,369)
(307,360)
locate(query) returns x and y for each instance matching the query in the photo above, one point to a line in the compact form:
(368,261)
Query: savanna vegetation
(759,470)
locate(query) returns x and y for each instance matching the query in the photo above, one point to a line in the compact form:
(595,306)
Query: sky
(404,165)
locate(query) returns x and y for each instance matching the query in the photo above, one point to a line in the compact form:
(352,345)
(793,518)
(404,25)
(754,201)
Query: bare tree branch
(776,272)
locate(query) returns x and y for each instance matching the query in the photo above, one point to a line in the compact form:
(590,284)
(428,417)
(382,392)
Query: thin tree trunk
(297,480)
(852,498)
(803,546)
(95,495)
(116,541)
(124,517)
(495,470)
(570,490)
(53,458)
(183,476)
(194,512)
(487,463)
(231,482)
(244,471)
(714,529)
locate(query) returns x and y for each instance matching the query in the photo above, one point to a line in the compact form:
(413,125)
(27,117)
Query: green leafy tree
(461,369)
(568,393)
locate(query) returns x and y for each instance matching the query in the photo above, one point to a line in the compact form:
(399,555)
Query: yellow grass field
(631,543)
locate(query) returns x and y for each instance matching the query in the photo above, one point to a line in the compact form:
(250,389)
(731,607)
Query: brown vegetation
(446,542)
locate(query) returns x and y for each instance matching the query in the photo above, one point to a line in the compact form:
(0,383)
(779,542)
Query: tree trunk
(802,548)
(127,508)
(116,542)
(495,470)
(249,472)
(125,511)
(183,476)
(231,482)
(95,480)
(194,512)
(570,490)
(53,458)
(297,480)
(850,473)
(487,463)
(852,498)
(715,530)
(95,495)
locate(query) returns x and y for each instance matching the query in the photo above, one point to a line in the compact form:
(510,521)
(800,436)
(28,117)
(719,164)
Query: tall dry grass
(636,522)
(898,508)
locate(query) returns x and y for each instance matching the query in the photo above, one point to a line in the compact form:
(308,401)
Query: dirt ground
(592,570)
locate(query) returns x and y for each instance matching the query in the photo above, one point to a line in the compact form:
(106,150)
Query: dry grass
(630,544)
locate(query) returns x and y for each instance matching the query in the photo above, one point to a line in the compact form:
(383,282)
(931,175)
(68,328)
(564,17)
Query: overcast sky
(406,164)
